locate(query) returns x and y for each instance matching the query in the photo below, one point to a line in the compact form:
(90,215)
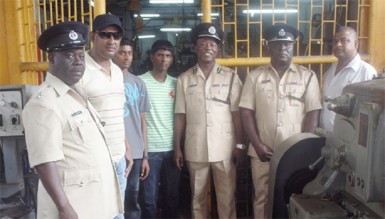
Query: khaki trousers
(224,183)
(260,174)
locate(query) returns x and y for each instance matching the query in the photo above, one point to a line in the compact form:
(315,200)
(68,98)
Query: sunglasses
(107,35)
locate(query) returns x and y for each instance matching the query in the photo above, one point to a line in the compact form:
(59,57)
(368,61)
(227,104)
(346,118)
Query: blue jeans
(163,171)
(131,206)
(120,167)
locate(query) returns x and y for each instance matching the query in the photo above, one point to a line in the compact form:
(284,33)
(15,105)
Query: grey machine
(13,159)
(339,174)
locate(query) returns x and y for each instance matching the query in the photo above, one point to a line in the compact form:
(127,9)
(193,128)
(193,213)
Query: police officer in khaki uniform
(206,115)
(278,101)
(65,140)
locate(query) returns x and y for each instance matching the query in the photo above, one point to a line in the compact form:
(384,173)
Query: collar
(90,60)
(354,63)
(291,68)
(216,69)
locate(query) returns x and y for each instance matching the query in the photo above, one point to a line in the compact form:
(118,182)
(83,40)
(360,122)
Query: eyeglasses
(107,35)
(279,44)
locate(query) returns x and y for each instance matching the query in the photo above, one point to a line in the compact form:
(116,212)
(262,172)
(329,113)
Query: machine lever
(314,165)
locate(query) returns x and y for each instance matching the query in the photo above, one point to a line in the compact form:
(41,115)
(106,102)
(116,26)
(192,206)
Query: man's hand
(145,169)
(130,162)
(129,158)
(178,158)
(264,152)
(67,212)
(237,156)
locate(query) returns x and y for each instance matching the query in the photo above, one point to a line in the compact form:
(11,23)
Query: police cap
(104,20)
(66,35)
(280,32)
(207,30)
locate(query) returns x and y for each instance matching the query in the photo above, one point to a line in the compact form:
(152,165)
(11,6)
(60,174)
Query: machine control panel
(12,100)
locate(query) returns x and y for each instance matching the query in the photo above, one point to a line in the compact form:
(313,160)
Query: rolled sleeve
(235,93)
(313,95)
(247,99)
(180,100)
(43,135)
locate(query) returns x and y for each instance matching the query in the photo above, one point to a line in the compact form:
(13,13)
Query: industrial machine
(339,174)
(13,160)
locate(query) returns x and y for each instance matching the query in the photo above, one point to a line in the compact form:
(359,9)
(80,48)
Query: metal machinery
(339,174)
(13,159)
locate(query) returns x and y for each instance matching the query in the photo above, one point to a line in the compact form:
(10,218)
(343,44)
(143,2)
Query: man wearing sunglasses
(278,101)
(103,83)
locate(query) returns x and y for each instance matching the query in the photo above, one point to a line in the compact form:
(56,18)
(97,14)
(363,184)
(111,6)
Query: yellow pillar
(4,75)
(100,7)
(376,34)
(206,11)
(11,56)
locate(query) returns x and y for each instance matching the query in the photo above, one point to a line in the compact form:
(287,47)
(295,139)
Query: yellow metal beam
(303,60)
(34,66)
(376,34)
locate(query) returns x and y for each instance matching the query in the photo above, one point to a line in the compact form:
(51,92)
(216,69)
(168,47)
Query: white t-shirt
(106,93)
(333,84)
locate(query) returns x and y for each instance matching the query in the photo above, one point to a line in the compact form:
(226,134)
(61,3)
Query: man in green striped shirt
(160,134)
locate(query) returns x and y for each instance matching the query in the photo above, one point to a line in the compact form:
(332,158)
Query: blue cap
(66,35)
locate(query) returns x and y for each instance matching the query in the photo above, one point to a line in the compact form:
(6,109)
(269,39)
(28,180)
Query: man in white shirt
(347,70)
(103,83)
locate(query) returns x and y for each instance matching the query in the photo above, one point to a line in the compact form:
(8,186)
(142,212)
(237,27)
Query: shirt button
(279,110)
(208,97)
(209,110)
(281,96)
(81,183)
(279,124)
(209,125)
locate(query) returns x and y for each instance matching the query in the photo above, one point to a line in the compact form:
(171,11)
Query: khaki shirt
(61,127)
(280,105)
(208,104)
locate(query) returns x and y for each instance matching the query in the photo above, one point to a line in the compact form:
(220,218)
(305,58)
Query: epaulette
(42,92)
(225,69)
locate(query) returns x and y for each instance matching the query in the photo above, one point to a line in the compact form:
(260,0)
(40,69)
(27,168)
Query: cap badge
(281,32)
(212,30)
(73,35)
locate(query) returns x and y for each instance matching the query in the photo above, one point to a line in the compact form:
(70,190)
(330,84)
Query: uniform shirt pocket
(264,91)
(80,178)
(81,127)
(194,95)
(220,92)
(295,94)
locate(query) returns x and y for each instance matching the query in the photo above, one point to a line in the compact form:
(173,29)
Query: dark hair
(162,45)
(126,42)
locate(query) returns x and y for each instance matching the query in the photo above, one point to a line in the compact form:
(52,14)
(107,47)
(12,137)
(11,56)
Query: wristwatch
(240,146)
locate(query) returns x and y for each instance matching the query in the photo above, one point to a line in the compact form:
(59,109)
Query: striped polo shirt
(106,93)
(160,119)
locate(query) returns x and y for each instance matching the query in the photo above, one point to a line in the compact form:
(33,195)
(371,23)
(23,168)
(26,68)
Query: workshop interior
(339,174)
